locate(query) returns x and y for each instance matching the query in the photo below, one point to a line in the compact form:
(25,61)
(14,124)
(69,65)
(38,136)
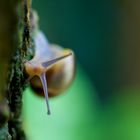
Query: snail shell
(59,76)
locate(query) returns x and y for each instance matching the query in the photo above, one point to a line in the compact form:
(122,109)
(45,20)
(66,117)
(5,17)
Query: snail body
(50,62)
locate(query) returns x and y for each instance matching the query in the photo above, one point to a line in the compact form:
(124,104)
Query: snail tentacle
(53,61)
(44,84)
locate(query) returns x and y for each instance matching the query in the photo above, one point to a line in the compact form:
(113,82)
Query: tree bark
(15,49)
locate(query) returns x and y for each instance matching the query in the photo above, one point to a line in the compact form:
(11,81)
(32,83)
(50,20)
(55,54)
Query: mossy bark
(15,49)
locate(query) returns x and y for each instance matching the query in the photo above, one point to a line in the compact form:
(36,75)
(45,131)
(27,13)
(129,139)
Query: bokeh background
(103,102)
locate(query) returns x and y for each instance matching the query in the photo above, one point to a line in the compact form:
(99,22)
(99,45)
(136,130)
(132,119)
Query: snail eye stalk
(44,84)
(53,61)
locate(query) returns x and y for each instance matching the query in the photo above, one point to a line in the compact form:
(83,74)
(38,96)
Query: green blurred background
(103,103)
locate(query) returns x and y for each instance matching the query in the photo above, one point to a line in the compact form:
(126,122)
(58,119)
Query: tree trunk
(15,49)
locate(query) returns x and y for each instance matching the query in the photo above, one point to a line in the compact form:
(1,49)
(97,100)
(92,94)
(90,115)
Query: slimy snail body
(51,70)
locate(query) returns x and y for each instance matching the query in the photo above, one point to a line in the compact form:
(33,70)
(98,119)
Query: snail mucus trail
(46,56)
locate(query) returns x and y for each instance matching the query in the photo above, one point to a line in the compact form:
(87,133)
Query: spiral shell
(59,76)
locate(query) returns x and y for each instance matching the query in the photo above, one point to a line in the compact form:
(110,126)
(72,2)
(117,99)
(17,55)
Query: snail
(50,62)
